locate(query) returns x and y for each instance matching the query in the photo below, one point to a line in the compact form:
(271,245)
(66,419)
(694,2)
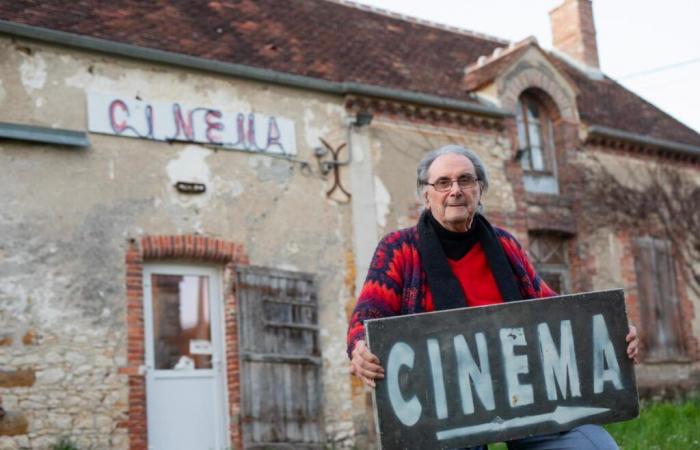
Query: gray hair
(427,161)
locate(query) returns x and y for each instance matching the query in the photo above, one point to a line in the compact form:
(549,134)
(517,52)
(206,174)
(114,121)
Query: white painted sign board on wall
(173,121)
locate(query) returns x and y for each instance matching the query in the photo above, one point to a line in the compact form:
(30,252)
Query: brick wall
(565,212)
(573,31)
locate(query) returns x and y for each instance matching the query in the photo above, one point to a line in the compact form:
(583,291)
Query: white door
(185,394)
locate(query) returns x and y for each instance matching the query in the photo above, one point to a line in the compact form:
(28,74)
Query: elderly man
(454,258)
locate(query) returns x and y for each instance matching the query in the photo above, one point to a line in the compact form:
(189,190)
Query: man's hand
(632,344)
(365,365)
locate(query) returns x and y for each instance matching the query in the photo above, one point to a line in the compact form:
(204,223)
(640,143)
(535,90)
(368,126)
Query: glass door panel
(181,322)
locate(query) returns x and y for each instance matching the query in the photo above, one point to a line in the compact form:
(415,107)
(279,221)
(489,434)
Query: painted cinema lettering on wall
(477,375)
(163,121)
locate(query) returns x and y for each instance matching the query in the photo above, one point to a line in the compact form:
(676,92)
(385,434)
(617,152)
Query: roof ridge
(419,21)
(652,104)
(500,52)
(593,73)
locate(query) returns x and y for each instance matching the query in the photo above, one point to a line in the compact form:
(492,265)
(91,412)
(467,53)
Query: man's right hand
(365,365)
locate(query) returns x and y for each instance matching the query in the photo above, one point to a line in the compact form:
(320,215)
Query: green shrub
(64,444)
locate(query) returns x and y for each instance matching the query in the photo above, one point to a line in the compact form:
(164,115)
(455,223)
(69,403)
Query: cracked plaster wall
(66,216)
(399,146)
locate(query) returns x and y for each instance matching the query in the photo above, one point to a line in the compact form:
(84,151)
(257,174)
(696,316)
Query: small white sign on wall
(200,347)
(174,121)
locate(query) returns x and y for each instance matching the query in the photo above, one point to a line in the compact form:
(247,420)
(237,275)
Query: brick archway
(531,77)
(176,248)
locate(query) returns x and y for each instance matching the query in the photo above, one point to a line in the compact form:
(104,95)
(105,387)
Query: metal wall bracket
(332,165)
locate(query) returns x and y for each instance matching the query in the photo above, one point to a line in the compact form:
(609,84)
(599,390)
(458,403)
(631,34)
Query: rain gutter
(243,71)
(613,133)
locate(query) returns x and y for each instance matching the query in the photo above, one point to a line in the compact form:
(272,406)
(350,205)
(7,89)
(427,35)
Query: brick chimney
(573,31)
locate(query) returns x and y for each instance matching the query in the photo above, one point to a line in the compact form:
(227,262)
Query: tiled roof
(606,102)
(326,40)
(315,38)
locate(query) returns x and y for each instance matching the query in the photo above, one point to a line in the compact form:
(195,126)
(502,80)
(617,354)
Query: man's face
(454,208)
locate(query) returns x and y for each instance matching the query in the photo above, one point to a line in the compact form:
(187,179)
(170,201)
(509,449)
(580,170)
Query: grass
(663,425)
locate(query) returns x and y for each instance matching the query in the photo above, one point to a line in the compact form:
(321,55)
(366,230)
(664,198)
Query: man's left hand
(632,344)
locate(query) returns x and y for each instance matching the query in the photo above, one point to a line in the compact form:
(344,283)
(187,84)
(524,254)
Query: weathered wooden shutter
(661,332)
(281,382)
(549,255)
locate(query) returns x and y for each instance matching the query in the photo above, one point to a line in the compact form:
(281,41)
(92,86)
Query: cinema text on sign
(172,121)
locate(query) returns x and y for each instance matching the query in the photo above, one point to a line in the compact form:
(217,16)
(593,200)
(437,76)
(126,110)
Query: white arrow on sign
(561,415)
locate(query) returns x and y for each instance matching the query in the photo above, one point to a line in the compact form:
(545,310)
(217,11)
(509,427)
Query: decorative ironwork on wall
(332,165)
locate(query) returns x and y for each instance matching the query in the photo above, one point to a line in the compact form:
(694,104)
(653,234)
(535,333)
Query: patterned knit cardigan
(396,283)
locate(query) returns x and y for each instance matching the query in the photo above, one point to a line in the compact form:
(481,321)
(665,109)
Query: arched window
(535,134)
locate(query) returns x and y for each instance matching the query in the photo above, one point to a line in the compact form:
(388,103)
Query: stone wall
(68,215)
(71,389)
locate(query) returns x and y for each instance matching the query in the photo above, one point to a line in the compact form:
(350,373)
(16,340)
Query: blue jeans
(584,437)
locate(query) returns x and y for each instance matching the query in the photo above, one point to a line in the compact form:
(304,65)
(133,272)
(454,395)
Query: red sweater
(473,273)
(396,283)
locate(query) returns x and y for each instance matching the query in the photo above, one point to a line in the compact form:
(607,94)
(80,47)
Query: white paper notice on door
(200,347)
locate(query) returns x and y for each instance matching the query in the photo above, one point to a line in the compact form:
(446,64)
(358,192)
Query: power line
(665,84)
(659,69)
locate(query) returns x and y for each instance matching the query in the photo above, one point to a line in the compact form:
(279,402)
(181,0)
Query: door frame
(217,305)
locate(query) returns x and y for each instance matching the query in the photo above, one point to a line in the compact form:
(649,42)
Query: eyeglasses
(466,181)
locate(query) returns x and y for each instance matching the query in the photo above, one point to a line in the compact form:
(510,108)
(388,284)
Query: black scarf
(446,290)
(454,244)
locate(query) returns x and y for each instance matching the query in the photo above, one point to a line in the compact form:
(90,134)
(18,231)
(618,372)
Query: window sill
(541,184)
(538,173)
(660,361)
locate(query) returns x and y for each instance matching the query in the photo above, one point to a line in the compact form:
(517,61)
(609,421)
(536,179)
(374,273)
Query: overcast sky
(650,46)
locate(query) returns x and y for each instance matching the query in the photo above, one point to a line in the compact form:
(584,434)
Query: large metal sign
(471,376)
(173,121)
